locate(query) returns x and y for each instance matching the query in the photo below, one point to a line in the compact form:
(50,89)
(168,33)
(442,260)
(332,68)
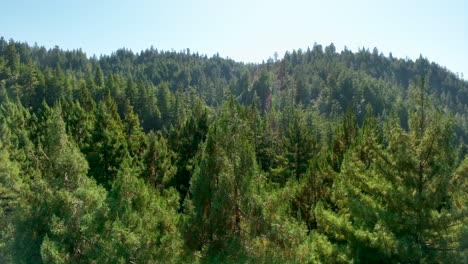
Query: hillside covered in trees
(175,157)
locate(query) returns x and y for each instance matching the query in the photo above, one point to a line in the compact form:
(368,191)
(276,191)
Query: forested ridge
(175,157)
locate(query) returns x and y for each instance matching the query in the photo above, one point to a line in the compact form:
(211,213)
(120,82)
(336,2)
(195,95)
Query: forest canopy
(161,156)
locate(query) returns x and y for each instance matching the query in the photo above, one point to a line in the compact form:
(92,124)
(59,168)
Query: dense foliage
(176,157)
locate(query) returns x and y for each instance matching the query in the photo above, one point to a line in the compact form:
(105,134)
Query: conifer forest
(316,156)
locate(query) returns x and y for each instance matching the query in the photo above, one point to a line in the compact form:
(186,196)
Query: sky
(245,30)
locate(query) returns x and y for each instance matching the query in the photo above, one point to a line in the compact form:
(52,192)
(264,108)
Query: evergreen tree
(396,201)
(159,169)
(299,143)
(108,147)
(265,143)
(56,219)
(146,106)
(263,89)
(166,105)
(12,58)
(136,139)
(343,138)
(99,77)
(85,98)
(11,189)
(222,195)
(142,224)
(79,122)
(31,80)
(186,140)
(17,129)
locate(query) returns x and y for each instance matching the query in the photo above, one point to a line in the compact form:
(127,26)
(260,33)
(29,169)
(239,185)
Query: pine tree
(146,106)
(166,105)
(56,85)
(185,140)
(136,139)
(313,189)
(85,98)
(343,138)
(222,200)
(263,89)
(265,143)
(11,189)
(79,122)
(142,224)
(396,198)
(61,208)
(158,168)
(17,129)
(99,77)
(31,79)
(12,57)
(108,147)
(299,143)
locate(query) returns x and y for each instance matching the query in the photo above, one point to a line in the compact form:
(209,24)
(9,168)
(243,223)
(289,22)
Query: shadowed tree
(222,201)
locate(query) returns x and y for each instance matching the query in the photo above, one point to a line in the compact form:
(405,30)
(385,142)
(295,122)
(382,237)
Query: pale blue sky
(245,30)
